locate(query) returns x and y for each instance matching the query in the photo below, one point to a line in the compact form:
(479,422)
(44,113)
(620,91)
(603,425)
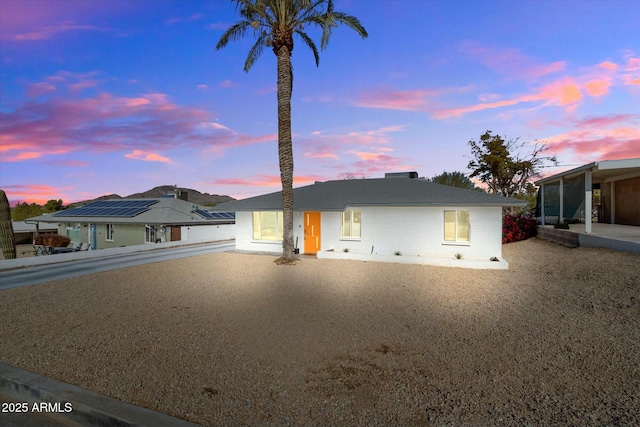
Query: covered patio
(570,195)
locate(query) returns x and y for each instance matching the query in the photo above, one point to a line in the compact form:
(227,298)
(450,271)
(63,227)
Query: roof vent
(412,175)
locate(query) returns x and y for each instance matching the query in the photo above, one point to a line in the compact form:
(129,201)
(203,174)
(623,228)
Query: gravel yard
(232,339)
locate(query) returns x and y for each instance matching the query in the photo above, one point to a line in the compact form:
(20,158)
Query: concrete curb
(76,404)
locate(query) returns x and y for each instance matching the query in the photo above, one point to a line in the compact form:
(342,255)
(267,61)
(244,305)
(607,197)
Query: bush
(54,240)
(518,227)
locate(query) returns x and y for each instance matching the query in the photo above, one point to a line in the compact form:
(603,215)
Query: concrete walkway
(609,236)
(44,402)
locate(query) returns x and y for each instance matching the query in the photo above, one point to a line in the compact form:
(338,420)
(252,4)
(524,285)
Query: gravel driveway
(233,339)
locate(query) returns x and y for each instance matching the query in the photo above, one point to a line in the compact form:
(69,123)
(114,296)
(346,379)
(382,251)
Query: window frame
(73,231)
(257,234)
(148,231)
(457,241)
(109,232)
(351,236)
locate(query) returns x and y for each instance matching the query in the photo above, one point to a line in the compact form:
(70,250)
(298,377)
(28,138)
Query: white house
(399,218)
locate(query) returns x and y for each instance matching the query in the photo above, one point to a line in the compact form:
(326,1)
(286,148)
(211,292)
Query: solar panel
(110,208)
(215,215)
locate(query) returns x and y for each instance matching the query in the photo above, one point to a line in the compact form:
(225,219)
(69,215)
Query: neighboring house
(26,232)
(376,219)
(128,222)
(608,190)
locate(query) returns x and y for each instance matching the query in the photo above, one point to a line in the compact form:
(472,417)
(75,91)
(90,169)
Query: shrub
(54,240)
(518,227)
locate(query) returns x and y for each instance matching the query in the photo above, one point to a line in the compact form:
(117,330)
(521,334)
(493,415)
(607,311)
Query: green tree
(24,210)
(53,206)
(455,179)
(505,166)
(274,22)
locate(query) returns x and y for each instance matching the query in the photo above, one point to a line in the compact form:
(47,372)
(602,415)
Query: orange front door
(311,232)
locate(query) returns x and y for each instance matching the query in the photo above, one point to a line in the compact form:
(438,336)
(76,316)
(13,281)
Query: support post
(612,202)
(561,207)
(542,222)
(587,201)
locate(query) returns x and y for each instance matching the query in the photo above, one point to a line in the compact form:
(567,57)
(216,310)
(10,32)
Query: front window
(456,226)
(73,232)
(108,235)
(351,224)
(149,234)
(267,225)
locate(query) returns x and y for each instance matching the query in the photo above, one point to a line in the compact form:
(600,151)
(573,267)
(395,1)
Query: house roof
(164,211)
(602,171)
(390,191)
(24,227)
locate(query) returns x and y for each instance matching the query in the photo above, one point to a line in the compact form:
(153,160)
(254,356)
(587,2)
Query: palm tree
(274,22)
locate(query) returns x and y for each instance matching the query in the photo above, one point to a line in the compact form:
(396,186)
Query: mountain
(192,195)
(188,194)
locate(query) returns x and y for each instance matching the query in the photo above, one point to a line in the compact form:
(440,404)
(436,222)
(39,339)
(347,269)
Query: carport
(569,194)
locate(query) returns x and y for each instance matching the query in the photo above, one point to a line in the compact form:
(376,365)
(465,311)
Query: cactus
(7,238)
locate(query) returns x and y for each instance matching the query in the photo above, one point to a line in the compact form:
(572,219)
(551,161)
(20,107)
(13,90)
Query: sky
(119,96)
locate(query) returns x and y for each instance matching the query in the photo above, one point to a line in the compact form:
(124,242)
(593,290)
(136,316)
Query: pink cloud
(77,87)
(598,138)
(51,31)
(106,123)
(608,65)
(370,156)
(511,62)
(321,155)
(334,146)
(227,84)
(147,156)
(565,93)
(606,121)
(597,88)
(633,64)
(407,100)
(268,180)
(32,193)
(39,89)
(453,112)
(193,17)
(68,163)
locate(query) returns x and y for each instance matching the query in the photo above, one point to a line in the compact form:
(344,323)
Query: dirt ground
(232,339)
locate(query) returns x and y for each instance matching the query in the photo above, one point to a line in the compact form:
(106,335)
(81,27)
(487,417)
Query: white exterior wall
(207,233)
(416,232)
(244,234)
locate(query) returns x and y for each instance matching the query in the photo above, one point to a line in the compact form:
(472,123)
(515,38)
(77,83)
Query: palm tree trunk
(285,148)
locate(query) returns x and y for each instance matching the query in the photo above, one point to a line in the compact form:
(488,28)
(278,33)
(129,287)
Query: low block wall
(563,237)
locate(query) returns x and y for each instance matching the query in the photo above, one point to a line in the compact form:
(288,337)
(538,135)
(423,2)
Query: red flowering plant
(518,227)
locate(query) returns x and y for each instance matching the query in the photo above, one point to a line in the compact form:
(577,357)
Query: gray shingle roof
(338,195)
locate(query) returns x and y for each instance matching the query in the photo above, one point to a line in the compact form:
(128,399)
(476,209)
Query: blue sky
(101,97)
